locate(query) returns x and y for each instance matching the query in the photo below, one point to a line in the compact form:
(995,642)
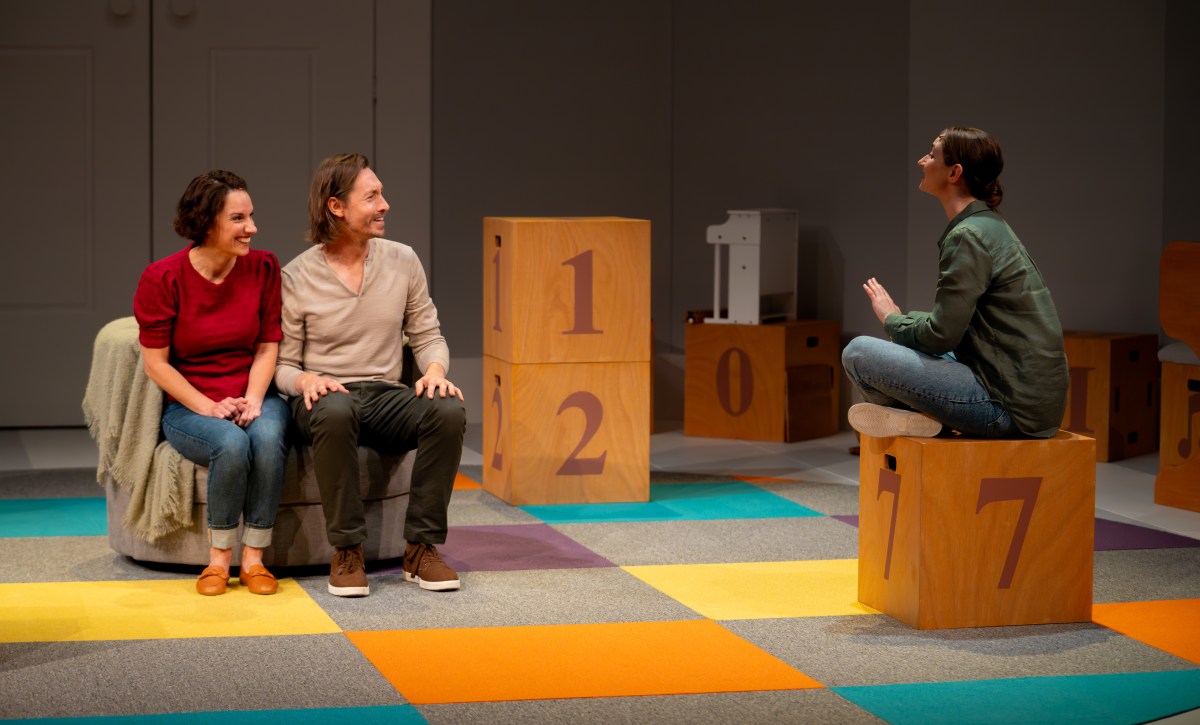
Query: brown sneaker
(347,575)
(423,565)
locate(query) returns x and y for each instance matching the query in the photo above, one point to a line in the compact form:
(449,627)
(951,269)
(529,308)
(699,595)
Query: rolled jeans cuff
(222,538)
(256,538)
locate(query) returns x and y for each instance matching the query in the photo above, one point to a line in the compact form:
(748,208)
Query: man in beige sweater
(347,303)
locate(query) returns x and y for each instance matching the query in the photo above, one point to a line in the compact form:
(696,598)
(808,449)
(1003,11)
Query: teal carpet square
(680,502)
(1122,698)
(25,517)
(376,715)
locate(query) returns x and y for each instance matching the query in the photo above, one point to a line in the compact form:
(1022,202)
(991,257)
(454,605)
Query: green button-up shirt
(993,311)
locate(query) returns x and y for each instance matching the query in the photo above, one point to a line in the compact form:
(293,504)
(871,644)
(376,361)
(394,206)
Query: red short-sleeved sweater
(211,329)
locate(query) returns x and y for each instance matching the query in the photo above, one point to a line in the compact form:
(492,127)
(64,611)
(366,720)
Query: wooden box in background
(1114,392)
(956,532)
(772,382)
(1178,480)
(566,433)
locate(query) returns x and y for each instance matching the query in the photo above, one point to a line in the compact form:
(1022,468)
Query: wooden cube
(957,532)
(566,290)
(1114,391)
(773,382)
(1178,480)
(566,432)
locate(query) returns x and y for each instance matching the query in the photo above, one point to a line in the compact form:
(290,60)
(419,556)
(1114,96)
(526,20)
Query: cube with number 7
(958,532)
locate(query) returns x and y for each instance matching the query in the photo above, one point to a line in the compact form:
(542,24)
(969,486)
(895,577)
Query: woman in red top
(209,329)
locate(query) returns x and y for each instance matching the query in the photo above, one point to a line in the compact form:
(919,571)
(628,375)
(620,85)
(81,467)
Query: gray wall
(545,108)
(799,106)
(1074,91)
(676,111)
(679,111)
(1181,142)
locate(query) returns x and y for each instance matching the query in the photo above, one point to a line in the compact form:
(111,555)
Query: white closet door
(74,194)
(265,89)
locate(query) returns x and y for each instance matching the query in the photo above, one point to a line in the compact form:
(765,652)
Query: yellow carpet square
(573,660)
(760,590)
(80,611)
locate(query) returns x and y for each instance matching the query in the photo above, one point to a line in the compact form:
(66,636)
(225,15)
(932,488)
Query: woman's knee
(233,443)
(272,424)
(268,435)
(857,350)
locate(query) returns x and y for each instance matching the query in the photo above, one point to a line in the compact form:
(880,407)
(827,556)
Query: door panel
(74,196)
(265,90)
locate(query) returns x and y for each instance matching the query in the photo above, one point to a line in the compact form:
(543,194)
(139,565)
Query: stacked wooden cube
(567,359)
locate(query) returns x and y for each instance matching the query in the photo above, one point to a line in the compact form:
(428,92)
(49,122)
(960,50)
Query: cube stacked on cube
(567,359)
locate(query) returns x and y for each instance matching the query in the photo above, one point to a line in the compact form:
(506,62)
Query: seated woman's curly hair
(202,201)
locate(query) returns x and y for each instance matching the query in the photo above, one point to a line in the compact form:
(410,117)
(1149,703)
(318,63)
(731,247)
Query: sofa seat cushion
(380,476)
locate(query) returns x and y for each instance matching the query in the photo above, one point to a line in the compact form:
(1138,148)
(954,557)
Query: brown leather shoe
(424,565)
(212,581)
(258,580)
(347,574)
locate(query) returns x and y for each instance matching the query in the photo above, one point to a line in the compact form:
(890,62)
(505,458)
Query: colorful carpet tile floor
(726,598)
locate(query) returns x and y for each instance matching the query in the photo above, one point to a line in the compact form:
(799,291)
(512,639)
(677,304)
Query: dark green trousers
(391,420)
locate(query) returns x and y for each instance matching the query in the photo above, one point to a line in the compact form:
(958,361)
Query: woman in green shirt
(988,360)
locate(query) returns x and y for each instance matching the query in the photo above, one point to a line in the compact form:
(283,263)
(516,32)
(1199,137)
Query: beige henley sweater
(330,331)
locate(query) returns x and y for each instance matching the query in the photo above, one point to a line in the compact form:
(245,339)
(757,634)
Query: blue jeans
(245,467)
(941,387)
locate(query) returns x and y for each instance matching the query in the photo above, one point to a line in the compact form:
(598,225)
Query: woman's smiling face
(234,226)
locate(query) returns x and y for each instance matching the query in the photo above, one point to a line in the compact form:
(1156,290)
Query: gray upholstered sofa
(122,407)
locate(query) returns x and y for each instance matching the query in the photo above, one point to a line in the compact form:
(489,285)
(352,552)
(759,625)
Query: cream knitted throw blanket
(123,410)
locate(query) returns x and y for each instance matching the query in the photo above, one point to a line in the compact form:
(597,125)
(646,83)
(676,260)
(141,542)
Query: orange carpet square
(462,483)
(766,479)
(574,660)
(1169,625)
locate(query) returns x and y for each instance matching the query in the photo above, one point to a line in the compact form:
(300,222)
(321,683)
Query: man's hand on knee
(433,380)
(314,387)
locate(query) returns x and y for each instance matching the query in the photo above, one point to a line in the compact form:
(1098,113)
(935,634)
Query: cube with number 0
(773,382)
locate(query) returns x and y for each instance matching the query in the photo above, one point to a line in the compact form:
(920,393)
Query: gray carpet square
(51,483)
(688,477)
(132,677)
(1146,574)
(75,558)
(831,499)
(784,706)
(717,541)
(502,598)
(475,473)
(876,649)
(476,507)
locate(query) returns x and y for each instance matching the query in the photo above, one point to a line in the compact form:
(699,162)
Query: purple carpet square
(851,519)
(1115,535)
(514,547)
